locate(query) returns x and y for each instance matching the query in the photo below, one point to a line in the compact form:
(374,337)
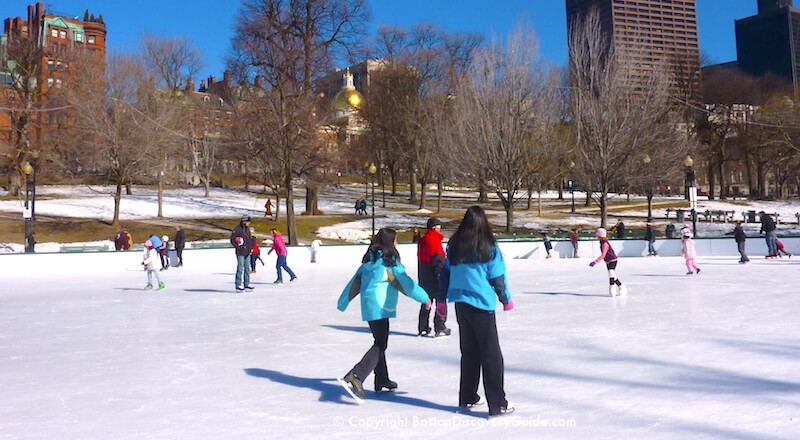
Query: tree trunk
(117,201)
(723,186)
(412,188)
(439,197)
(483,195)
(312,199)
(423,193)
(128,189)
(160,194)
(539,203)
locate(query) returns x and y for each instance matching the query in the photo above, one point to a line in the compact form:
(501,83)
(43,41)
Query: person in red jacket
(430,259)
(255,254)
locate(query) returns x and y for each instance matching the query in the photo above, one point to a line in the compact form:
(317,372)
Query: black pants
(375,358)
(179,251)
(439,307)
(740,247)
(480,351)
(164,261)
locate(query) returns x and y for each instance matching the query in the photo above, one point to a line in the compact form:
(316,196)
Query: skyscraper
(648,32)
(770,41)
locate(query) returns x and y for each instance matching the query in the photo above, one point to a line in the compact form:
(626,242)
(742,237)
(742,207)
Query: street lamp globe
(372,168)
(647,159)
(689,162)
(27,168)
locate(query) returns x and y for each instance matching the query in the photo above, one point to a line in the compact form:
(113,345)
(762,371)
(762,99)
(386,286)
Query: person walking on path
(650,237)
(689,251)
(740,237)
(474,277)
(430,259)
(242,241)
(180,243)
(607,254)
(315,245)
(279,246)
(149,263)
(268,209)
(573,238)
(619,228)
(378,280)
(768,228)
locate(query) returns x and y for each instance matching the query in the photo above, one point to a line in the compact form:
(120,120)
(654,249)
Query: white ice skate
(623,291)
(612,290)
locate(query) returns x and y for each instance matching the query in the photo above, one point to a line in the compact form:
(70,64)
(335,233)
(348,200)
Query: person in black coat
(242,240)
(180,243)
(650,237)
(740,237)
(768,228)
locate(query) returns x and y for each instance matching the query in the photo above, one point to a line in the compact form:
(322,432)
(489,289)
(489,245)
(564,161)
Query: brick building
(57,37)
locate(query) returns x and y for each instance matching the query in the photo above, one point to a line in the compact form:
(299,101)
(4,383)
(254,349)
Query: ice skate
(468,406)
(507,409)
(148,287)
(278,282)
(445,332)
(697,271)
(390,385)
(612,290)
(424,332)
(353,385)
(690,273)
(623,291)
(239,289)
(161,287)
(250,287)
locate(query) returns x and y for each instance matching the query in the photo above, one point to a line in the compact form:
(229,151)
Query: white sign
(26,213)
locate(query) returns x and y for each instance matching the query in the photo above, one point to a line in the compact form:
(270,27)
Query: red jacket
(429,245)
(256,250)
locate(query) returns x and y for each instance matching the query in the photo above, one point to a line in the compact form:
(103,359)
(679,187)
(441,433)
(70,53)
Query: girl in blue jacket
(474,278)
(378,280)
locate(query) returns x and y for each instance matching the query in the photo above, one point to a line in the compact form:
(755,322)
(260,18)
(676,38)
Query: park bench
(775,216)
(719,215)
(84,248)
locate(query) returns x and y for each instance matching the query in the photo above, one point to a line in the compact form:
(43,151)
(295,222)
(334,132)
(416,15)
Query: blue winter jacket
(477,284)
(378,285)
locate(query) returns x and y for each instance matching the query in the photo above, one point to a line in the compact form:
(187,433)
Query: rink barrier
(349,255)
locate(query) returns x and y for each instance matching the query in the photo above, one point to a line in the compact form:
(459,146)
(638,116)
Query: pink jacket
(278,245)
(689,248)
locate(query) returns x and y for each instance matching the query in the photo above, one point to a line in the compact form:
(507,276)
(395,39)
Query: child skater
(378,280)
(255,254)
(689,252)
(164,253)
(149,263)
(548,246)
(607,254)
(782,249)
(474,277)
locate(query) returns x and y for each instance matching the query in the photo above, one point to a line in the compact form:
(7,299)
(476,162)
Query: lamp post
(572,185)
(691,191)
(28,214)
(648,189)
(372,170)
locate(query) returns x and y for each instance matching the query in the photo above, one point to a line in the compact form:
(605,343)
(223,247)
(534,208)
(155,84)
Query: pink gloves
(509,306)
(239,241)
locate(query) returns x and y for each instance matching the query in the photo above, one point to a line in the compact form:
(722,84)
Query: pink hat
(601,232)
(148,243)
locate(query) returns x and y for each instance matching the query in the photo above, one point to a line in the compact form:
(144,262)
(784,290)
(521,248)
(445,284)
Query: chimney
(203,88)
(190,86)
(211,81)
(228,78)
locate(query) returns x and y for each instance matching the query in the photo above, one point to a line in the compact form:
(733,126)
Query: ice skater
(607,254)
(689,252)
(164,253)
(781,248)
(548,245)
(650,237)
(740,237)
(279,246)
(379,279)
(430,259)
(242,241)
(474,277)
(255,254)
(149,263)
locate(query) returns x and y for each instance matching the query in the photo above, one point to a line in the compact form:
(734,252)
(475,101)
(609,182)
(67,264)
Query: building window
(62,34)
(55,48)
(58,82)
(79,36)
(50,65)
(63,49)
(49,82)
(91,39)
(54,33)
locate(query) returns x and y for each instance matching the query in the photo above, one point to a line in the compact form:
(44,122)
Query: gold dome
(348,98)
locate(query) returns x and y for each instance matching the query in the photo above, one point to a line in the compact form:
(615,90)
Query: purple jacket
(278,245)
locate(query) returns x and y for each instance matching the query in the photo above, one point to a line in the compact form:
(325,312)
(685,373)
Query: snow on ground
(87,354)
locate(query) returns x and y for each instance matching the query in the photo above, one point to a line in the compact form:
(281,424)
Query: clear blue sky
(209,23)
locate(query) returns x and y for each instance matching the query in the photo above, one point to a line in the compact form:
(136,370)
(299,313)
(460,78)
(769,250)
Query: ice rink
(87,354)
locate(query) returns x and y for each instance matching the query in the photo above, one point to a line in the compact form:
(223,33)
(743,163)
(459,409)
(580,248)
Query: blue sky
(209,23)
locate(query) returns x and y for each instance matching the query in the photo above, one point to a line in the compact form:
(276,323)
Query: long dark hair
(473,241)
(383,241)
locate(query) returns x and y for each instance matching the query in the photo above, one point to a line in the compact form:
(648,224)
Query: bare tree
(506,110)
(290,44)
(618,110)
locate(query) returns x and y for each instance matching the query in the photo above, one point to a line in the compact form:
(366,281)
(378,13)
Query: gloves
(428,305)
(591,264)
(509,306)
(239,241)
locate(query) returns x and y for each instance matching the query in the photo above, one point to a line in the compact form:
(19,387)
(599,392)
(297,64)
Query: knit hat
(245,218)
(601,233)
(433,221)
(148,243)
(686,232)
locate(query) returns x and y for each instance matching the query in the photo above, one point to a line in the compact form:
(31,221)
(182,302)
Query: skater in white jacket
(149,263)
